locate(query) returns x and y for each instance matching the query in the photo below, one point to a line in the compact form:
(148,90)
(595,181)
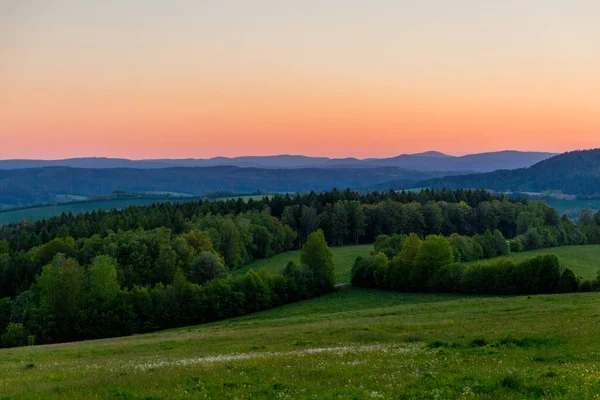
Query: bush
(585,286)
(447,279)
(14,336)
(532,276)
(568,282)
(516,246)
(362,272)
(538,275)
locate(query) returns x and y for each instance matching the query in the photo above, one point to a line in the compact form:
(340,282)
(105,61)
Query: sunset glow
(150,79)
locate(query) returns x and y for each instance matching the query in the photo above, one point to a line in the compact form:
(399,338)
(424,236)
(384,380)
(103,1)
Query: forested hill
(27,186)
(576,173)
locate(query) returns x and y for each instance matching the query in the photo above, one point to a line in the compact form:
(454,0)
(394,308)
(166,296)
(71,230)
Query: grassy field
(47,211)
(343,257)
(352,344)
(584,261)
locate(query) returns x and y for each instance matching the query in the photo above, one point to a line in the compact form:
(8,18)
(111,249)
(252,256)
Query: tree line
(410,264)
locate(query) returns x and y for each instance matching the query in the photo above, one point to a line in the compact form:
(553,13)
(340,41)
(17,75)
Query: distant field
(343,258)
(36,213)
(582,260)
(352,344)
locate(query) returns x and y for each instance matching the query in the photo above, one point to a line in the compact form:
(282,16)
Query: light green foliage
(62,287)
(317,257)
(380,268)
(403,263)
(103,278)
(434,253)
(410,249)
(14,336)
(516,246)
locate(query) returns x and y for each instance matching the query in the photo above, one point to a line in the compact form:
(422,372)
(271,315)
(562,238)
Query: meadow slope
(354,343)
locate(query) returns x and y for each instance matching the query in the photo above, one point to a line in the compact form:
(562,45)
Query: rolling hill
(576,173)
(354,343)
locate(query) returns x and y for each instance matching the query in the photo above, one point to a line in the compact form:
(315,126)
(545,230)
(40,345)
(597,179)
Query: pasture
(354,343)
(584,261)
(343,258)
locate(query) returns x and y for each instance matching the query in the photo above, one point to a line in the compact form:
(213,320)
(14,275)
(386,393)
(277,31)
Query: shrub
(362,272)
(447,279)
(532,276)
(14,336)
(585,286)
(568,282)
(538,275)
(516,246)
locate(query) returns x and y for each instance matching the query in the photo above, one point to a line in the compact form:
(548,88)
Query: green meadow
(343,258)
(351,344)
(584,261)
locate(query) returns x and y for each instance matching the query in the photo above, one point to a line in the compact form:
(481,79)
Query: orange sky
(199,79)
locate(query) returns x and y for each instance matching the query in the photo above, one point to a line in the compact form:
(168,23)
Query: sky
(339,78)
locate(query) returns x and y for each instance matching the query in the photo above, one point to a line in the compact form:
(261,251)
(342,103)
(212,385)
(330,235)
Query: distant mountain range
(575,173)
(428,161)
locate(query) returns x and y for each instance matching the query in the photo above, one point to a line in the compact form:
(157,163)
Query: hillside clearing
(343,257)
(584,261)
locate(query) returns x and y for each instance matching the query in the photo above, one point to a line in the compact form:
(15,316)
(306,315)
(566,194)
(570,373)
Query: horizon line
(449,154)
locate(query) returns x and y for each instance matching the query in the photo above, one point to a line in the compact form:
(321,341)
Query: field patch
(584,261)
(343,257)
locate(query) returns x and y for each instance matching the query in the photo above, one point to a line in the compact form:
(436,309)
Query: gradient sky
(201,78)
